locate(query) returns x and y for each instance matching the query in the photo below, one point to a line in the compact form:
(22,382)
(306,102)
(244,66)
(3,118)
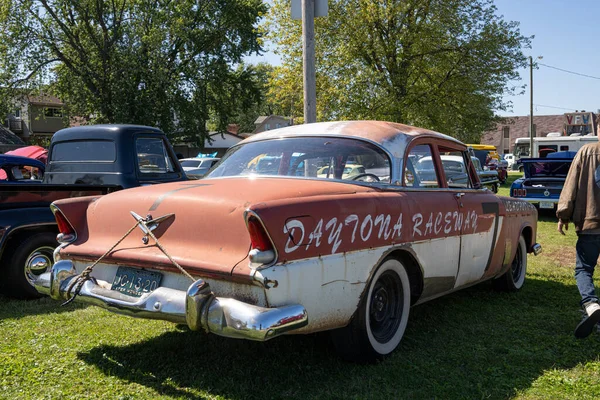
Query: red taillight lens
(63,225)
(258,236)
(519,192)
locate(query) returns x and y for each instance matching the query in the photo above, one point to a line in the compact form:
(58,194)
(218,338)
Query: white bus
(542,146)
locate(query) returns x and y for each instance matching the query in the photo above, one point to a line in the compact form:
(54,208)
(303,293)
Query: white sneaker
(591,308)
(585,327)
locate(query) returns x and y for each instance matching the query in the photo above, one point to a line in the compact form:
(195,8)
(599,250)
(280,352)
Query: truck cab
(120,155)
(82,161)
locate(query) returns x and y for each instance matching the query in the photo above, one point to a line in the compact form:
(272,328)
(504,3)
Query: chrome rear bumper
(537,249)
(199,308)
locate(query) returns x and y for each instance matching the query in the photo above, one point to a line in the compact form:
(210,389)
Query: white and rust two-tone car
(264,245)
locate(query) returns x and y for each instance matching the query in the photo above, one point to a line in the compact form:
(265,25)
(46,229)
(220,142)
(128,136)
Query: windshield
(309,157)
(521,150)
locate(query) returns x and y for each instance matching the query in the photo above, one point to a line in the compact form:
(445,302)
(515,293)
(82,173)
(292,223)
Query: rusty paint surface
(208,231)
(388,134)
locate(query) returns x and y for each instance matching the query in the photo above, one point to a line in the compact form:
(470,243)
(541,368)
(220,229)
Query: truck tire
(32,257)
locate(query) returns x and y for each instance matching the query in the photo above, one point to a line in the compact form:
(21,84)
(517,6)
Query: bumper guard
(198,308)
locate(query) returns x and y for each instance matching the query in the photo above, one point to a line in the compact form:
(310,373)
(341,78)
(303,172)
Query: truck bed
(29,195)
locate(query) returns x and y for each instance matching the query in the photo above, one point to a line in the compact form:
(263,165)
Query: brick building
(511,128)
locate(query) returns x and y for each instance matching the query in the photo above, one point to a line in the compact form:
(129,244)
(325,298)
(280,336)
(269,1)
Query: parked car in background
(36,152)
(488,177)
(510,160)
(83,161)
(349,171)
(253,255)
(543,179)
(456,171)
(197,167)
(15,169)
(490,160)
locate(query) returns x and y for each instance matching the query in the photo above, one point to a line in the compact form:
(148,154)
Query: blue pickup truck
(83,161)
(543,179)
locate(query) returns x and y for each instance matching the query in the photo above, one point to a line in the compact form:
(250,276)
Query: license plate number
(135,282)
(546,204)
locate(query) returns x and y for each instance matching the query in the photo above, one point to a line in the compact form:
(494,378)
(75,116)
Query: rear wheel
(381,318)
(30,259)
(514,278)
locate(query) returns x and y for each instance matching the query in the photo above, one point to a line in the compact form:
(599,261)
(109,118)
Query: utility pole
(530,106)
(308,55)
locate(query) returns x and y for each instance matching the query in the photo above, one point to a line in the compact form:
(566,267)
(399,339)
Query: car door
(479,220)
(431,215)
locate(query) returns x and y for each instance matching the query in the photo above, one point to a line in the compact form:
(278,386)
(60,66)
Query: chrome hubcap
(39,261)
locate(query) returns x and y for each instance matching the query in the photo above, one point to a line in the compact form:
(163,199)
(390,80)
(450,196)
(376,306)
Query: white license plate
(546,204)
(135,282)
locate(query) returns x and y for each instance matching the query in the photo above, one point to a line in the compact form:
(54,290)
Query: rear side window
(84,151)
(420,171)
(152,156)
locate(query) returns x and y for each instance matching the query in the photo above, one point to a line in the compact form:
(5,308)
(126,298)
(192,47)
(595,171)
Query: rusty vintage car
(266,245)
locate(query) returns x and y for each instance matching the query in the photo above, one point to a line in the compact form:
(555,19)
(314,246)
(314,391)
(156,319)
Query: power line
(569,72)
(558,108)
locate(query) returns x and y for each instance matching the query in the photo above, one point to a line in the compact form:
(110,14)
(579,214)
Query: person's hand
(562,225)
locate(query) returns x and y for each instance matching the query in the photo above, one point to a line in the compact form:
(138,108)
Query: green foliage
(134,61)
(439,64)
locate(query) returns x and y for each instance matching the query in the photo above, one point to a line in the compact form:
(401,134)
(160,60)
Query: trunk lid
(207,231)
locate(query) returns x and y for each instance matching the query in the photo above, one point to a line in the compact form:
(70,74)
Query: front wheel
(514,278)
(30,259)
(381,318)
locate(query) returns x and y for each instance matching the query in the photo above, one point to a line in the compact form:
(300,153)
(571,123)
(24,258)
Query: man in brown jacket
(580,203)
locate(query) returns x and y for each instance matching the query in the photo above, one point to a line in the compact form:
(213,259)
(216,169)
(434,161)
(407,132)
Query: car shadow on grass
(15,308)
(475,343)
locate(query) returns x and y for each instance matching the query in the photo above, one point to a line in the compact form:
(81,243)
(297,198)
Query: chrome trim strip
(198,307)
(537,199)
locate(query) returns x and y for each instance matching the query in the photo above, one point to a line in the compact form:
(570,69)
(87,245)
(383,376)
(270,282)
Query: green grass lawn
(474,344)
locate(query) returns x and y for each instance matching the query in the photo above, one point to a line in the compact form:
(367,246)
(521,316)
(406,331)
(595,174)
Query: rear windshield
(309,157)
(84,151)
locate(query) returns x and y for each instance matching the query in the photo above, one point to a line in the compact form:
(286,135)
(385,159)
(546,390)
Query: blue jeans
(588,249)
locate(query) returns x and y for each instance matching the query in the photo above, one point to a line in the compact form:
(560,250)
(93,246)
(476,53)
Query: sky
(567,37)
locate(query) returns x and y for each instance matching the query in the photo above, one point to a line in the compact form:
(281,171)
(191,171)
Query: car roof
(100,132)
(562,154)
(387,134)
(18,160)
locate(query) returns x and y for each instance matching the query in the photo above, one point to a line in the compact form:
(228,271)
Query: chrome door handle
(459,198)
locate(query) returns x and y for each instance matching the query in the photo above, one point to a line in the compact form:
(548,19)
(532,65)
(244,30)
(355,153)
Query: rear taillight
(258,237)
(519,192)
(262,251)
(66,232)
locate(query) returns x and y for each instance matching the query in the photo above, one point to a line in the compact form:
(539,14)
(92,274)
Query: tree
(439,64)
(156,62)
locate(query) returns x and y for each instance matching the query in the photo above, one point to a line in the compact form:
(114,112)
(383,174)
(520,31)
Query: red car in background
(35,152)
